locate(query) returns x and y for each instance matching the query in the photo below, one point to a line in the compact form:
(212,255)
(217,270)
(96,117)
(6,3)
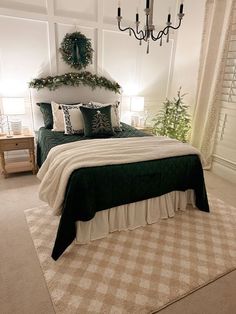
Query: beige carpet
(138,271)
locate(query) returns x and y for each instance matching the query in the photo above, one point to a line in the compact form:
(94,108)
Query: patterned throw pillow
(58,116)
(73,119)
(115,115)
(97,121)
(46,110)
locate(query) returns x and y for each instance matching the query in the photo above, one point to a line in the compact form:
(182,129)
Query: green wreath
(76,50)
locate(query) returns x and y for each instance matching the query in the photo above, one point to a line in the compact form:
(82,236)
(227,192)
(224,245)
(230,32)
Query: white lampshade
(13,106)
(137,104)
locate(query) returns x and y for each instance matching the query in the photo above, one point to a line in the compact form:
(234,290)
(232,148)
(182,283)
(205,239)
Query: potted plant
(173,120)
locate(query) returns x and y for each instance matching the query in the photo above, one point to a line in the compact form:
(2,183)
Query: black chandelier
(149,28)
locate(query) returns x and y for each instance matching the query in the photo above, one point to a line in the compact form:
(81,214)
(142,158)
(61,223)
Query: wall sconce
(12,107)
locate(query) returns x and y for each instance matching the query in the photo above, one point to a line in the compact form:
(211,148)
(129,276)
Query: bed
(95,189)
(106,198)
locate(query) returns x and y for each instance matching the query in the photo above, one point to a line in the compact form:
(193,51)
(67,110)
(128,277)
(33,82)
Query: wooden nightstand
(17,142)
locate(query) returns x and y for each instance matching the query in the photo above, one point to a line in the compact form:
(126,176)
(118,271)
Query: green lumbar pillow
(97,121)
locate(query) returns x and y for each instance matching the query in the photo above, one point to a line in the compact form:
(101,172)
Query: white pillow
(115,115)
(58,119)
(73,119)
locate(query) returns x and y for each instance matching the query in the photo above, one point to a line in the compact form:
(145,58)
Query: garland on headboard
(75,79)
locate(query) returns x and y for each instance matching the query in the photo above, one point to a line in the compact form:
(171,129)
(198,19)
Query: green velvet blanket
(97,188)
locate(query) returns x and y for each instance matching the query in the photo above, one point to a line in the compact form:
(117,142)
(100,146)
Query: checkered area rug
(139,271)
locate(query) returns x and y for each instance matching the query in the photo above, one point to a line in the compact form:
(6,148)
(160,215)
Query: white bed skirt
(133,215)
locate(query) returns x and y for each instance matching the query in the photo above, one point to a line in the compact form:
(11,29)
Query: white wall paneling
(52,38)
(119,52)
(38,6)
(38,27)
(23,53)
(84,10)
(188,47)
(146,75)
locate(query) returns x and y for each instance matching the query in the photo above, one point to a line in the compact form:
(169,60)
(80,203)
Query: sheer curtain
(206,114)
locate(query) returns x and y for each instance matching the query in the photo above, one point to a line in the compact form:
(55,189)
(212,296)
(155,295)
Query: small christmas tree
(100,123)
(173,120)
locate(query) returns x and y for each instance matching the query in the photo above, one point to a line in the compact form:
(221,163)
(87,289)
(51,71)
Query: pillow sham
(97,121)
(73,119)
(46,110)
(115,115)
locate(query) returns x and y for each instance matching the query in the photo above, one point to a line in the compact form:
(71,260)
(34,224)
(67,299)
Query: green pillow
(97,121)
(46,110)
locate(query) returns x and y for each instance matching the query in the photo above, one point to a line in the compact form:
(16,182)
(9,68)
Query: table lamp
(13,107)
(136,105)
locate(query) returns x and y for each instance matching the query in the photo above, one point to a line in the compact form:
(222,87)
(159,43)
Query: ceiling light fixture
(148,32)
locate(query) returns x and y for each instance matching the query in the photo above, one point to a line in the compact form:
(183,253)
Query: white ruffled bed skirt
(133,215)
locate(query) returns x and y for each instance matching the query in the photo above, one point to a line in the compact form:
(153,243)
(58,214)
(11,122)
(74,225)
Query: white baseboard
(224,168)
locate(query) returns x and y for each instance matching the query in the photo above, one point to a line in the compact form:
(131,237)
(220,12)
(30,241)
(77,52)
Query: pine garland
(75,79)
(173,120)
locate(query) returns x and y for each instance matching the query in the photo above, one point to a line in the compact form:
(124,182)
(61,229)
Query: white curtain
(206,114)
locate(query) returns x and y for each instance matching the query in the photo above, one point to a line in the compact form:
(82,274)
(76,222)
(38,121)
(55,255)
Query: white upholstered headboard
(68,95)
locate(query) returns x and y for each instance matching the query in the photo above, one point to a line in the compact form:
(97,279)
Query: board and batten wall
(31,33)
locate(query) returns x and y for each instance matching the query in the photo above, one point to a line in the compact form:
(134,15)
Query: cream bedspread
(63,159)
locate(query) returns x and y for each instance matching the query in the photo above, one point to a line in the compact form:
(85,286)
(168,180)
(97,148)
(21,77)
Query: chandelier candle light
(149,28)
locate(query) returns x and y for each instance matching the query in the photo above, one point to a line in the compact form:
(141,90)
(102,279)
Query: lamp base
(135,121)
(16,127)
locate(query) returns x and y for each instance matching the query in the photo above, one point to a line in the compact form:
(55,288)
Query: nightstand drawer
(16,144)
